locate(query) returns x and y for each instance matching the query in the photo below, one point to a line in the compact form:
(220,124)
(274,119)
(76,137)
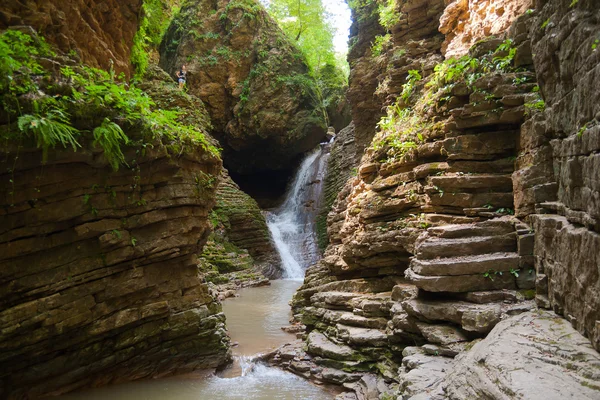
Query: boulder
(535,355)
(255,83)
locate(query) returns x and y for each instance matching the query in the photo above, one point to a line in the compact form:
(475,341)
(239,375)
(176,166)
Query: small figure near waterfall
(182,76)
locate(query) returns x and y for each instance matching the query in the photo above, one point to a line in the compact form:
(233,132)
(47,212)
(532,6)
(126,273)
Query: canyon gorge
(427,229)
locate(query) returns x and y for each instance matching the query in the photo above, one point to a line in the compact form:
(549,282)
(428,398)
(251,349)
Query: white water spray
(292,225)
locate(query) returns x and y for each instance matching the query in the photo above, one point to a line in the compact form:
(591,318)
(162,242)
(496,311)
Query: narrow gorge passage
(168,204)
(255,317)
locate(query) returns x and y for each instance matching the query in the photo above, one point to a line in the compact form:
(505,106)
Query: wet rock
(319,344)
(534,355)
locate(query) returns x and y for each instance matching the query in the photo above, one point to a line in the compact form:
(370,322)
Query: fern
(109,136)
(49,130)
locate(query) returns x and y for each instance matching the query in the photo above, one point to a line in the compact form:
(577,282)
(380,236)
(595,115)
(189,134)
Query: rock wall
(376,80)
(464,22)
(470,201)
(100,32)
(254,82)
(245,226)
(560,163)
(99,280)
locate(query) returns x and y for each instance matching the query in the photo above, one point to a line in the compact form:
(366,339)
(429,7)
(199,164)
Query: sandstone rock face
(530,356)
(559,163)
(99,280)
(464,22)
(99,283)
(425,256)
(245,226)
(342,160)
(100,32)
(253,80)
(375,81)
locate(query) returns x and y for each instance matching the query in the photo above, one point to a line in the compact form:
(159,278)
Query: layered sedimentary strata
(464,210)
(240,221)
(559,162)
(254,82)
(99,280)
(100,32)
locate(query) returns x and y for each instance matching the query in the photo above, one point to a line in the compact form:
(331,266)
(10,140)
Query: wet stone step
(487,182)
(463,283)
(362,336)
(486,228)
(466,265)
(440,247)
(319,344)
(352,319)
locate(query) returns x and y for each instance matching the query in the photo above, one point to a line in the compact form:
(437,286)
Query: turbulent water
(292,224)
(254,320)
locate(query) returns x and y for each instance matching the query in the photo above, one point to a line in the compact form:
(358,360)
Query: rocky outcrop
(426,254)
(341,164)
(255,83)
(239,220)
(99,280)
(464,22)
(376,79)
(100,33)
(531,356)
(99,283)
(558,163)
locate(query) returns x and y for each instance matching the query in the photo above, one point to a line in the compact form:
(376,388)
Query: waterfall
(292,225)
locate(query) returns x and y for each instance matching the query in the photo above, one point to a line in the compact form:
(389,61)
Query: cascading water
(254,319)
(292,225)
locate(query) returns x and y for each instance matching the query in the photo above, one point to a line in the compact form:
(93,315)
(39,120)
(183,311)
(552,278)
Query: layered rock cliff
(255,83)
(99,280)
(473,197)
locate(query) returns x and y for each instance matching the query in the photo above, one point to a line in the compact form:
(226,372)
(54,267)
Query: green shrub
(109,136)
(49,130)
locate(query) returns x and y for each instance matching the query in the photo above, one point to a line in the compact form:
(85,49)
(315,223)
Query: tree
(305,22)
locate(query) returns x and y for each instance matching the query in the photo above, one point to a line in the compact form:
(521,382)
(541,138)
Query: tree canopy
(306,22)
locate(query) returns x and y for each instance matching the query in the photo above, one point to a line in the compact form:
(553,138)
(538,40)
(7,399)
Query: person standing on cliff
(181,76)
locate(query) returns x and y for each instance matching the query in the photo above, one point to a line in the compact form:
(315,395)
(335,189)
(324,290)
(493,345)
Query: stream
(255,318)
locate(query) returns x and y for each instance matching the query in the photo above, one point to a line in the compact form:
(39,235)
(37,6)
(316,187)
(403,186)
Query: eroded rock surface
(255,83)
(100,33)
(98,269)
(530,356)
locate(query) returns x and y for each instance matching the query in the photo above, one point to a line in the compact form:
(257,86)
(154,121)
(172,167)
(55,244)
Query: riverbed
(254,321)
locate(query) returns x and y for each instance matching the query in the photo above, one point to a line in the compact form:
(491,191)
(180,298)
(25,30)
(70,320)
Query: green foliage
(49,130)
(413,77)
(379,44)
(110,136)
(545,24)
(156,17)
(98,98)
(18,51)
(305,23)
(388,14)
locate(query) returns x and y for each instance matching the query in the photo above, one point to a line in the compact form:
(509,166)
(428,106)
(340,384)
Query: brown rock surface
(464,22)
(101,32)
(253,80)
(98,268)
